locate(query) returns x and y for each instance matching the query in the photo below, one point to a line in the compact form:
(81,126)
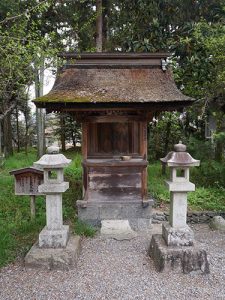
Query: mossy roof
(114,80)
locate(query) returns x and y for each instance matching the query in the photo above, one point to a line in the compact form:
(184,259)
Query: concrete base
(54,238)
(138,214)
(178,259)
(117,229)
(54,259)
(177,236)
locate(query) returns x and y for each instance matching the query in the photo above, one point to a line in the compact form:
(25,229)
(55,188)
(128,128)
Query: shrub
(209,174)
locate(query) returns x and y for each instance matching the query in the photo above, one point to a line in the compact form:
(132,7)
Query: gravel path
(110,269)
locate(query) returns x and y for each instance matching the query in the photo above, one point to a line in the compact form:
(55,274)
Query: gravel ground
(110,269)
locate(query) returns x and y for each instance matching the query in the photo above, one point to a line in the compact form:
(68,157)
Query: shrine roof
(114,78)
(26,170)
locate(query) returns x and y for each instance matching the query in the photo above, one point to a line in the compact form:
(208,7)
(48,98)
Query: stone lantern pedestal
(176,247)
(55,249)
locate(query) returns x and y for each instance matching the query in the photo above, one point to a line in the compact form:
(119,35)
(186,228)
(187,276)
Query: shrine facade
(114,97)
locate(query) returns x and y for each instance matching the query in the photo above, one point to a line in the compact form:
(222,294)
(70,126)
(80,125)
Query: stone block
(178,259)
(177,236)
(180,186)
(217,223)
(54,259)
(117,229)
(111,211)
(54,238)
(89,214)
(53,188)
(178,209)
(140,224)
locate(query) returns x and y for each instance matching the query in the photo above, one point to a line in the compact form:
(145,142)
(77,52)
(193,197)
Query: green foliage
(165,131)
(209,174)
(212,199)
(157,25)
(204,198)
(74,170)
(200,149)
(84,229)
(156,183)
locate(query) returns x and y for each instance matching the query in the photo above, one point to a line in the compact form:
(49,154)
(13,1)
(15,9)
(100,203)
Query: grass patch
(156,184)
(84,229)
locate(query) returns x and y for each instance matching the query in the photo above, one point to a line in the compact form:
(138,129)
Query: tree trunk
(105,27)
(166,145)
(186,125)
(40,113)
(7,135)
(0,137)
(99,25)
(62,132)
(26,128)
(17,130)
(219,144)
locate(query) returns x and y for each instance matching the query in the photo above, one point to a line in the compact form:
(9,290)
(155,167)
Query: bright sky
(49,80)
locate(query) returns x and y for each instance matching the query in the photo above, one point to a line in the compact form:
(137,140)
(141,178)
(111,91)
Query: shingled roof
(114,78)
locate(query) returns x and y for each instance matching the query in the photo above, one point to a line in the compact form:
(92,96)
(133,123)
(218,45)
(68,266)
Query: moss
(62,98)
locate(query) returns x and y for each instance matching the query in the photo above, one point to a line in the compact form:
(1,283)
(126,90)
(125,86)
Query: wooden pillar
(84,140)
(143,139)
(84,155)
(144,154)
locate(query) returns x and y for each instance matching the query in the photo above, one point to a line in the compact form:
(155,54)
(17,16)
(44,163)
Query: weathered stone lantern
(55,248)
(176,246)
(55,234)
(177,232)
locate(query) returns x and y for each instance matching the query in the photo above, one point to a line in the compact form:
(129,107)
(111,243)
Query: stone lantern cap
(53,160)
(179,157)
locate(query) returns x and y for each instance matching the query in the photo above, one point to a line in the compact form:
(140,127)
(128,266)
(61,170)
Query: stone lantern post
(54,234)
(55,248)
(176,246)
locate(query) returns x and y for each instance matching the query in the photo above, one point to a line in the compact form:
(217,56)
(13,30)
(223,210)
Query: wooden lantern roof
(99,80)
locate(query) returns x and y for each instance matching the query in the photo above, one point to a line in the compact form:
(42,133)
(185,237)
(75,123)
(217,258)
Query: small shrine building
(114,96)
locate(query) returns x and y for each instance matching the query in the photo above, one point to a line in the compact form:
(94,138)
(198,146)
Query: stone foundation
(183,236)
(54,238)
(196,217)
(54,259)
(178,259)
(138,214)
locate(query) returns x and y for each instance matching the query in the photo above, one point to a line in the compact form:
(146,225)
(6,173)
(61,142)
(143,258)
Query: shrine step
(117,229)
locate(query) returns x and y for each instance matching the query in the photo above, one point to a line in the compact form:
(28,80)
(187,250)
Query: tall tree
(99,26)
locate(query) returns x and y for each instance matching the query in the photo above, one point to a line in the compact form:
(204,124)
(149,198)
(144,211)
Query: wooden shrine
(114,96)
(27,181)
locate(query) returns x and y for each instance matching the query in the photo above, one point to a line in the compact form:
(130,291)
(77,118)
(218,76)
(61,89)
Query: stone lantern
(55,234)
(176,246)
(177,232)
(55,248)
